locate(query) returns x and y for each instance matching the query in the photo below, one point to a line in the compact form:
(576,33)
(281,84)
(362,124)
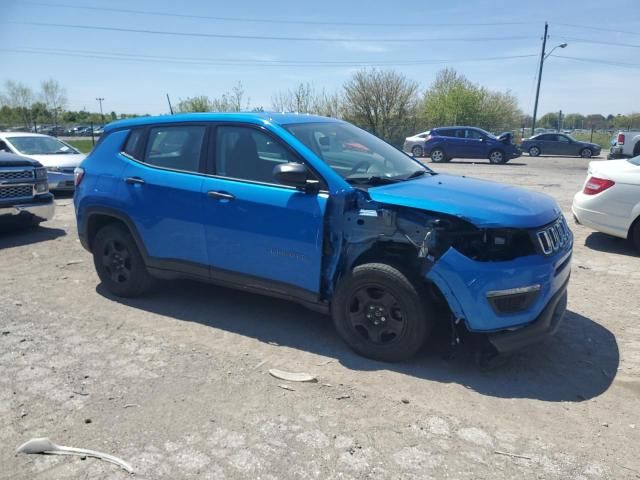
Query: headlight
(53,169)
(41,173)
(42,187)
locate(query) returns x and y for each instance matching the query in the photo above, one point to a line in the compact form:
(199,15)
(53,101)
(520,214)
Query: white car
(58,157)
(610,199)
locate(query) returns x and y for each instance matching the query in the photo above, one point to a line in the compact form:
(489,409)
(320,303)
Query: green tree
(548,120)
(452,99)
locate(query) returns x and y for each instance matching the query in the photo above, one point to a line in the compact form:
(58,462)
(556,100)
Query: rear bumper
(545,325)
(616,152)
(36,211)
(586,210)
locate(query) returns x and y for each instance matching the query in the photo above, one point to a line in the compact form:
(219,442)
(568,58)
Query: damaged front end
(494,280)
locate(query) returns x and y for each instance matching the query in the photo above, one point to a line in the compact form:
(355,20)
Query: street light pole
(535,107)
(100,100)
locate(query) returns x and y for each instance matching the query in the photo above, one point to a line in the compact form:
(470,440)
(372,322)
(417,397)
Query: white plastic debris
(46,446)
(292,376)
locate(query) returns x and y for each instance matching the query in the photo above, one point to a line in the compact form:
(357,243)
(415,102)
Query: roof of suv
(249,117)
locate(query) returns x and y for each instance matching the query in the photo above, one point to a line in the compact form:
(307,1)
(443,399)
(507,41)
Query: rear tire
(534,151)
(438,155)
(586,153)
(497,157)
(417,151)
(119,263)
(380,313)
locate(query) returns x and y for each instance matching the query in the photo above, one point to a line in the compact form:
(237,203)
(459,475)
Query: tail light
(620,139)
(597,185)
(78,175)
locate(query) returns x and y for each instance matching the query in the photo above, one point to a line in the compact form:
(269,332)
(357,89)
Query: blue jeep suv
(445,143)
(316,210)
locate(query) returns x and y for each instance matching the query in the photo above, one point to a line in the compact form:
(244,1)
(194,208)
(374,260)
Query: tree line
(384,102)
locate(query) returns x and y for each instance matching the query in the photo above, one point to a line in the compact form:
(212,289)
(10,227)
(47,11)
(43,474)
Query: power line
(596,60)
(602,29)
(246,63)
(269,37)
(267,20)
(600,42)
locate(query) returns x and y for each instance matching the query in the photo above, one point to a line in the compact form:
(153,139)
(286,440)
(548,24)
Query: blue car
(445,143)
(318,211)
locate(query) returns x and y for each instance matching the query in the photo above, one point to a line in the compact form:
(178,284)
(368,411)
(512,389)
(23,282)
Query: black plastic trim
(542,327)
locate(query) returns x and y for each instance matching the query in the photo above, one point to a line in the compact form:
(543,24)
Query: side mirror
(294,175)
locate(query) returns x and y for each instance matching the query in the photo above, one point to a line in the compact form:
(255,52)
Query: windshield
(355,154)
(634,160)
(41,146)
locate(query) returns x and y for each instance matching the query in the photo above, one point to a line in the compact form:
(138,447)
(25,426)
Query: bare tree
(20,97)
(54,97)
(382,101)
(306,99)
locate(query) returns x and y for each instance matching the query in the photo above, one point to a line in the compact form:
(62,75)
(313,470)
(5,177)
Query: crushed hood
(481,202)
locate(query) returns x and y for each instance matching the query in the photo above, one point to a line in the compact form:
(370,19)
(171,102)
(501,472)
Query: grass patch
(84,145)
(601,138)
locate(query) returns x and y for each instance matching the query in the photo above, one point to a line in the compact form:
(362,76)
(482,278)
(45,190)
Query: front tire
(119,263)
(417,151)
(586,153)
(534,151)
(438,155)
(635,234)
(497,157)
(380,313)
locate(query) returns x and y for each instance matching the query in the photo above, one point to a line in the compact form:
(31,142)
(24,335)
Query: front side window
(474,134)
(354,154)
(41,146)
(562,138)
(248,154)
(175,147)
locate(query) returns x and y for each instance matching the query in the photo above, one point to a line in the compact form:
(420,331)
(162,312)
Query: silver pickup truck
(625,144)
(24,192)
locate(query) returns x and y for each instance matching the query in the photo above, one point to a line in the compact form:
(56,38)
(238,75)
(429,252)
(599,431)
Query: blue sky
(425,34)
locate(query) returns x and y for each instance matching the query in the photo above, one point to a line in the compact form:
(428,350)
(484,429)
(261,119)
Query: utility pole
(535,107)
(169,102)
(100,100)
(559,120)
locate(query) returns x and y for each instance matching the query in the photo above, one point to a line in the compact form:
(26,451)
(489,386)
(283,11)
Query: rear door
(163,192)
(268,233)
(547,144)
(452,141)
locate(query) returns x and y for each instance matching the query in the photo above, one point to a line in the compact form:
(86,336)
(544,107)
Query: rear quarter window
(132,145)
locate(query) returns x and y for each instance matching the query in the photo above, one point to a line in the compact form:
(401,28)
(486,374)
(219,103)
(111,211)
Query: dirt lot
(177,383)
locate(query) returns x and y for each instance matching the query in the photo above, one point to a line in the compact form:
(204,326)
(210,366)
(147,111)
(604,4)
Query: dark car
(559,144)
(444,143)
(24,192)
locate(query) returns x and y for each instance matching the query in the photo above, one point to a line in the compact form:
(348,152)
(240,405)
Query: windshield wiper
(417,173)
(372,180)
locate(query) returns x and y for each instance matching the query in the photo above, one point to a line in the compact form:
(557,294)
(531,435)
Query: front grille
(17,191)
(16,174)
(554,237)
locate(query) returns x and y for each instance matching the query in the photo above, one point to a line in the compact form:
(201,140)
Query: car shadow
(602,242)
(578,363)
(16,236)
(484,162)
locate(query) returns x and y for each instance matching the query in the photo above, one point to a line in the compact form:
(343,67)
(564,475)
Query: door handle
(220,195)
(133,181)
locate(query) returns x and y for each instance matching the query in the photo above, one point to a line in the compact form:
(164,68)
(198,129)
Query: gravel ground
(177,383)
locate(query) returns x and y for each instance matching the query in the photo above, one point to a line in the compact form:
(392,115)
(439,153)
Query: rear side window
(175,147)
(447,132)
(132,147)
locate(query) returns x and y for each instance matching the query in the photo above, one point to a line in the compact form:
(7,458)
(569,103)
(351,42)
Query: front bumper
(39,211)
(60,181)
(467,286)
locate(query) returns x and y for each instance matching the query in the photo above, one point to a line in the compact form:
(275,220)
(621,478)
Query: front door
(270,233)
(163,194)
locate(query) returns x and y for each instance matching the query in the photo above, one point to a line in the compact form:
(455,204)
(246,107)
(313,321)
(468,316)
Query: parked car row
(442,144)
(61,131)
